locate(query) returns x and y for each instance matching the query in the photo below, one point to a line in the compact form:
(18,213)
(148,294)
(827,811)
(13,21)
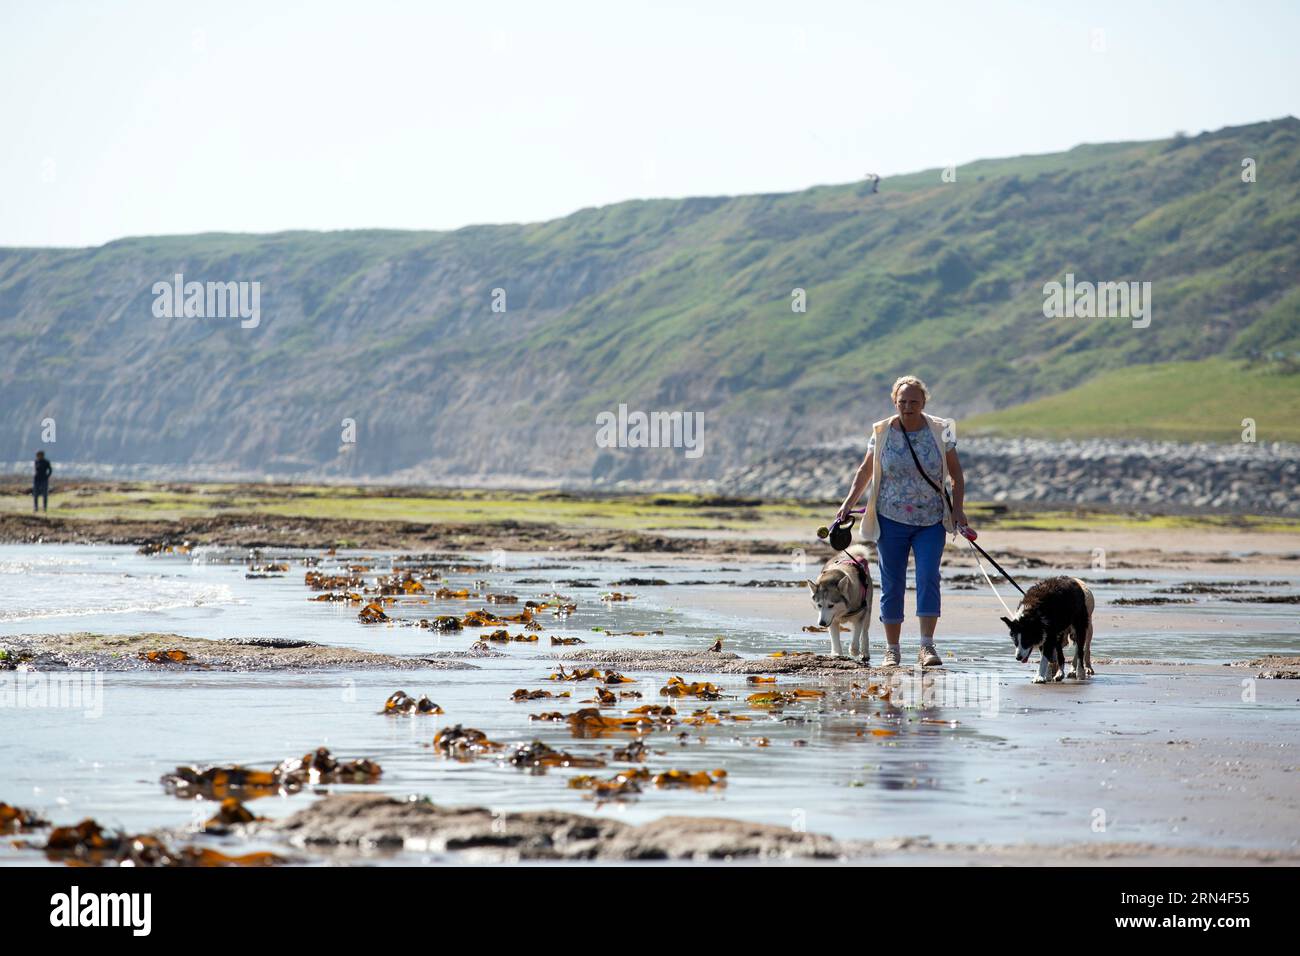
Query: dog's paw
(1060,675)
(1091,671)
(1072,674)
(1040,680)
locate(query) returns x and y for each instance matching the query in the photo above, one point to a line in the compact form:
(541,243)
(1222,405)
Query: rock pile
(1235,478)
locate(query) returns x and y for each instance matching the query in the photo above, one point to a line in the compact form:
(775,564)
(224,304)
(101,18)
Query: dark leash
(965,530)
(841,536)
(864,579)
(1001,570)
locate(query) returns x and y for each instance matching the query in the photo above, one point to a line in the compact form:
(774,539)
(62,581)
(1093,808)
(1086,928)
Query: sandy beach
(1180,750)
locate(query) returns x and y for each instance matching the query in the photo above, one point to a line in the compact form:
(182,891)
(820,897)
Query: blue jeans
(895,541)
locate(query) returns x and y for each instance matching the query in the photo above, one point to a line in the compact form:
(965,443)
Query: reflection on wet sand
(830,747)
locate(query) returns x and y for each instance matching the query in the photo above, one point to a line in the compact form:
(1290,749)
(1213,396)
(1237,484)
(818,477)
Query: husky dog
(842,594)
(1055,612)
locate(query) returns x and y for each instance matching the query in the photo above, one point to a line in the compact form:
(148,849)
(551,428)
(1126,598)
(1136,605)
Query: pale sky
(147,118)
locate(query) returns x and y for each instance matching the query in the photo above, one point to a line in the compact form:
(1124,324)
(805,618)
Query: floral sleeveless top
(904,495)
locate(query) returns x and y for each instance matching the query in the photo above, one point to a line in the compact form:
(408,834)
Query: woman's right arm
(859,484)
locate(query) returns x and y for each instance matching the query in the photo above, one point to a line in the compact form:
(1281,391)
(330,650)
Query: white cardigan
(869,530)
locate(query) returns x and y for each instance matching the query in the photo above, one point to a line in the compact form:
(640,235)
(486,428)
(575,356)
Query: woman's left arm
(958,487)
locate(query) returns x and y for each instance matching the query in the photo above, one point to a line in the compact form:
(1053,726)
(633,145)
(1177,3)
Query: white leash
(980,565)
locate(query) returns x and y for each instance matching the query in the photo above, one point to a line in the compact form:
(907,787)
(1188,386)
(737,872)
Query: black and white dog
(842,595)
(1055,612)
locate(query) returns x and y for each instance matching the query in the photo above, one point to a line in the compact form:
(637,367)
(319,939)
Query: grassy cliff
(680,305)
(1209,400)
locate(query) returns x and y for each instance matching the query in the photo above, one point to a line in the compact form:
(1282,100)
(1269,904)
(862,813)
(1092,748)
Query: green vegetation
(1060,521)
(675,512)
(683,304)
(162,501)
(1182,401)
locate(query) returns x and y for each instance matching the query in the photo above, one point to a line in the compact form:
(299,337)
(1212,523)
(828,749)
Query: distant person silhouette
(41,483)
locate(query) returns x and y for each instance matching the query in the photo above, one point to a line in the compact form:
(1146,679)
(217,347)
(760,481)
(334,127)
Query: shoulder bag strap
(943,492)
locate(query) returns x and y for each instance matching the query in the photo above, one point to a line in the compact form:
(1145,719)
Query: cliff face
(662,306)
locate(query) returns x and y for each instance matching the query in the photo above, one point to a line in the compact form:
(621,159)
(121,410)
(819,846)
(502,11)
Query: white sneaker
(928,656)
(892,657)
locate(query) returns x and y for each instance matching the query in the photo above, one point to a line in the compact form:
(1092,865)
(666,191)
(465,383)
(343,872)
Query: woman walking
(910,457)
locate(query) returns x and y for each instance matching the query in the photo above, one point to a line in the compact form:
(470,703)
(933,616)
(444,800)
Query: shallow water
(953,773)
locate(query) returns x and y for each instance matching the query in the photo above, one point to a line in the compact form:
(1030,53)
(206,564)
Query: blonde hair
(904,380)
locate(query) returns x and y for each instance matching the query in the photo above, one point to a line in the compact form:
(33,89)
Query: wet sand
(174,652)
(1206,754)
(1200,759)
(1209,753)
(1110,541)
(352,827)
(258,530)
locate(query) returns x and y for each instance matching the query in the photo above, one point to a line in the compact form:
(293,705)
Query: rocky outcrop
(83,651)
(1173,477)
(1242,478)
(379,821)
(706,662)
